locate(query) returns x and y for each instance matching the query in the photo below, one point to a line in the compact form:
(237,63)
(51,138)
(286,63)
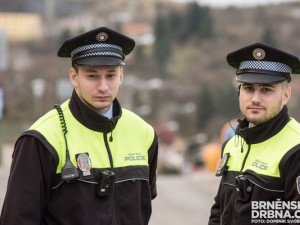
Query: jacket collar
(263,131)
(91,119)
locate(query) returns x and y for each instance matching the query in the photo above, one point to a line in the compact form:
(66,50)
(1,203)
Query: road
(184,200)
(181,200)
(3,181)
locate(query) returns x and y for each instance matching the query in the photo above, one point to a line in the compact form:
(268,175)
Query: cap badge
(259,54)
(102,36)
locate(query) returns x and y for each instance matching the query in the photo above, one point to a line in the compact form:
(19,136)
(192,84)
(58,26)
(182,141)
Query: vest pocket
(267,183)
(132,173)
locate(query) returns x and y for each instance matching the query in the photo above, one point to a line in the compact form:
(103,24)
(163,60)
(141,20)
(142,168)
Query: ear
(286,95)
(239,89)
(73,76)
(121,75)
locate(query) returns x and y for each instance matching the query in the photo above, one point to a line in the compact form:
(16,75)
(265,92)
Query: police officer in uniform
(260,166)
(87,161)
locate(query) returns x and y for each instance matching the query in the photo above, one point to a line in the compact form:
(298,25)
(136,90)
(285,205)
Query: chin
(254,119)
(102,106)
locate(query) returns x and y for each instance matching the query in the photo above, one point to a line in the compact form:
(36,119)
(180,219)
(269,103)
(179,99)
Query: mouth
(256,108)
(102,98)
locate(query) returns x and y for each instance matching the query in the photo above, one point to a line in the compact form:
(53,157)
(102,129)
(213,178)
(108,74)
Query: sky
(237,3)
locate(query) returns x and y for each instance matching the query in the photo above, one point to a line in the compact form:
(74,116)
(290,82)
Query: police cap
(98,47)
(263,64)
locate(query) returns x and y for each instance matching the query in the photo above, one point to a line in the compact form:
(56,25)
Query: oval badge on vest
(298,184)
(84,163)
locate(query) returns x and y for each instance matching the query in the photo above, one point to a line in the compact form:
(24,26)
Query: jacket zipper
(247,153)
(113,170)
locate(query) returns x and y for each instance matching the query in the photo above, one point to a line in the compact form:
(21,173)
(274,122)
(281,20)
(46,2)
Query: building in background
(3,50)
(21,27)
(141,32)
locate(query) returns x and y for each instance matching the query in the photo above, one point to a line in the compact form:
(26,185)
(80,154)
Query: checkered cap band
(95,46)
(266,65)
(98,54)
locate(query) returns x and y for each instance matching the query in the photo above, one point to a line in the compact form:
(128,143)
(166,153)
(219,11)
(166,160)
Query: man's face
(97,86)
(261,102)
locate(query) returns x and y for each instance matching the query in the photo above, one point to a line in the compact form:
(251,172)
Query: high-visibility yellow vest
(132,138)
(264,157)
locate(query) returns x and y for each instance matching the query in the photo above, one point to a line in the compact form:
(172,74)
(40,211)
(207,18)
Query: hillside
(195,66)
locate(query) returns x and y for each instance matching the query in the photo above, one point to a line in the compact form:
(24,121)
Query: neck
(263,131)
(109,112)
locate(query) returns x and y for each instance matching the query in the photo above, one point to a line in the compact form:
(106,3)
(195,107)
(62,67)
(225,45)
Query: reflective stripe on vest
(132,139)
(264,157)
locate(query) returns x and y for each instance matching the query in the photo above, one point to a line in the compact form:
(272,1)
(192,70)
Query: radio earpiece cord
(69,172)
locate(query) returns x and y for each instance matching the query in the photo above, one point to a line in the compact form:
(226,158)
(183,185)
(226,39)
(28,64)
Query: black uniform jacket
(228,209)
(32,198)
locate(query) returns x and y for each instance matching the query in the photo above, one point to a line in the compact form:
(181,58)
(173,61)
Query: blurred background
(176,78)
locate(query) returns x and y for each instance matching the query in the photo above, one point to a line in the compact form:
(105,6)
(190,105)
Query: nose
(256,98)
(102,85)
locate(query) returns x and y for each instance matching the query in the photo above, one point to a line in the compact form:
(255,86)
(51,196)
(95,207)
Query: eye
(248,88)
(110,75)
(92,76)
(266,89)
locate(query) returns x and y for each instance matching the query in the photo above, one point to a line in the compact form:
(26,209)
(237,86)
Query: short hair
(284,84)
(75,67)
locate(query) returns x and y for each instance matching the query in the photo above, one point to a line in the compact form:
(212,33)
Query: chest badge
(84,163)
(298,184)
(222,167)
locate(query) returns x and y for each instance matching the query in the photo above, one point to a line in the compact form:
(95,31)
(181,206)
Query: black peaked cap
(101,46)
(261,63)
(271,54)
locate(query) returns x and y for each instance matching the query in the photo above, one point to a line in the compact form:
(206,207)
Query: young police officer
(88,161)
(260,166)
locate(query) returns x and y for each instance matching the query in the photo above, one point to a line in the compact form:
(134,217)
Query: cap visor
(259,78)
(99,61)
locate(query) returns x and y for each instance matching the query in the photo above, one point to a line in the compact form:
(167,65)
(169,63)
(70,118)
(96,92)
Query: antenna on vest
(69,172)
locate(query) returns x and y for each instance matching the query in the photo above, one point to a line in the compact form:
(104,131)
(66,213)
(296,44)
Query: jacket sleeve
(29,184)
(215,212)
(290,171)
(152,157)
